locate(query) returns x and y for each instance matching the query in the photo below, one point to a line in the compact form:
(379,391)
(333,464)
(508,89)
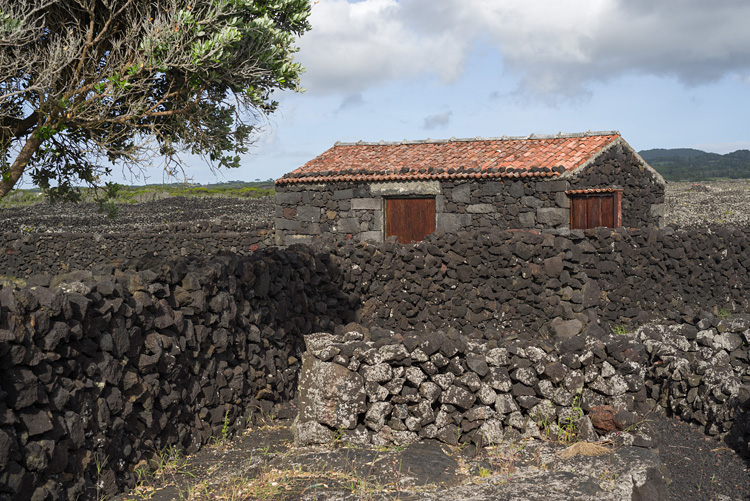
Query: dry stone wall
(385,388)
(25,254)
(700,370)
(399,389)
(485,283)
(111,366)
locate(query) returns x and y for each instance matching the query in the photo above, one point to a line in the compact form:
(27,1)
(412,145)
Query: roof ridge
(559,135)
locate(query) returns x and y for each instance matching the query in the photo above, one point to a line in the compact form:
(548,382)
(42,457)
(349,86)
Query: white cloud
(355,46)
(351,101)
(439,120)
(556,46)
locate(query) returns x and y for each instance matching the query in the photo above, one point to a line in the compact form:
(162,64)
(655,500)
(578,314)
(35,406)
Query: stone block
(562,200)
(462,193)
(288,197)
(527,219)
(557,186)
(451,223)
(517,189)
(311,229)
(330,394)
(532,202)
(309,214)
(565,329)
(343,194)
(298,239)
(492,188)
(551,216)
(367,203)
(370,236)
(347,225)
(481,209)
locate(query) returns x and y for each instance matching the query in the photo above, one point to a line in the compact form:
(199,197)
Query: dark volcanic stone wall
(25,254)
(486,282)
(117,364)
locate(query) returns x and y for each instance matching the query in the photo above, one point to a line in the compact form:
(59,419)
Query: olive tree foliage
(86,85)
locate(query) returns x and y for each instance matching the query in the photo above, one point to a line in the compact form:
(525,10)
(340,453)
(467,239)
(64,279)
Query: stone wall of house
(504,204)
(643,189)
(306,212)
(346,211)
(103,370)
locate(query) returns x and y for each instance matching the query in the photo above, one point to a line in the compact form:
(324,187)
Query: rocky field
(709,203)
(85,217)
(687,204)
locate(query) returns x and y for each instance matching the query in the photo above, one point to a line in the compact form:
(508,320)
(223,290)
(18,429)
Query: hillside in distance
(687,164)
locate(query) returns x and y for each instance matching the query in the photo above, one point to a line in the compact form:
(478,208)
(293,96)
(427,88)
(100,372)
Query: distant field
(687,204)
(137,194)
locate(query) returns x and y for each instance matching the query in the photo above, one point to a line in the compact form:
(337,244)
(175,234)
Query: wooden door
(595,210)
(409,219)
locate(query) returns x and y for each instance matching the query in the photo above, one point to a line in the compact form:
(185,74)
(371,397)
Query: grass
(11,281)
(135,194)
(724,313)
(164,468)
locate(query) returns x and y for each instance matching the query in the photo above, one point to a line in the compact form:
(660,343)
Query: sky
(665,73)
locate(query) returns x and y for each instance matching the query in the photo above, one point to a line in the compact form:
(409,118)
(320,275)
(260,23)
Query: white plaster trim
(405,188)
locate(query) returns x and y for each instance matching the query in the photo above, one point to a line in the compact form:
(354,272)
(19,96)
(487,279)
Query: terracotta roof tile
(533,156)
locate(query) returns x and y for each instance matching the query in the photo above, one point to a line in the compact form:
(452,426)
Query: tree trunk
(19,165)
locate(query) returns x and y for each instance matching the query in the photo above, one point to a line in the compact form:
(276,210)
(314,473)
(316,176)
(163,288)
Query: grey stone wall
(385,388)
(504,204)
(344,211)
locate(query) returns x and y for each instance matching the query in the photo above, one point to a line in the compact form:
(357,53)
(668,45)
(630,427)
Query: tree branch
(16,169)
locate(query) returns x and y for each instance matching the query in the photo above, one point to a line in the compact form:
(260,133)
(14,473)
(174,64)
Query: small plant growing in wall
(620,329)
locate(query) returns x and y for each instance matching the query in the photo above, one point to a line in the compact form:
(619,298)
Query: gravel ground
(702,468)
(43,217)
(710,203)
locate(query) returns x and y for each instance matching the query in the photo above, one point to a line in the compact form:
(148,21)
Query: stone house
(409,189)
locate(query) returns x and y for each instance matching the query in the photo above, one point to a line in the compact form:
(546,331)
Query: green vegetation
(619,329)
(91,86)
(135,194)
(685,164)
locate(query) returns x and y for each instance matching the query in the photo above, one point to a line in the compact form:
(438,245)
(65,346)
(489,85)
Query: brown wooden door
(409,219)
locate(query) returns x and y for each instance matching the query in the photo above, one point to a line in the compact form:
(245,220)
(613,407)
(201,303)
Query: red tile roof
(514,157)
